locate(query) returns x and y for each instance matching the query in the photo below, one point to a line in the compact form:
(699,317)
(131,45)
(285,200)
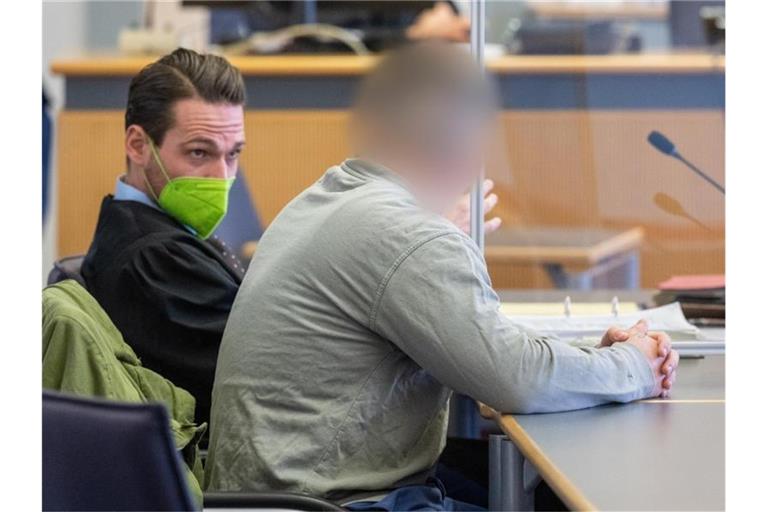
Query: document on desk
(512,309)
(668,318)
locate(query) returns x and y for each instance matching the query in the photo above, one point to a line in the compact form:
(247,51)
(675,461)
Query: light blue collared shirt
(126,192)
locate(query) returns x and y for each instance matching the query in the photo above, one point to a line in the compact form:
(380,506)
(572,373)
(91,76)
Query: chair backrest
(67,268)
(103,455)
(242,223)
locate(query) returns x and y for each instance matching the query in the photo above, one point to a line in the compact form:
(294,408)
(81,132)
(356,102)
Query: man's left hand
(461,212)
(671,357)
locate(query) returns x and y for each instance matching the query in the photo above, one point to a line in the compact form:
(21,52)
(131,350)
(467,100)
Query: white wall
(63,35)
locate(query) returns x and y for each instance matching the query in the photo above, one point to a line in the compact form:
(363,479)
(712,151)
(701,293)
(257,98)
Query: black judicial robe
(168,292)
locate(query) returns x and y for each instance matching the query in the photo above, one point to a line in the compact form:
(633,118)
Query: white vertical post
(477,43)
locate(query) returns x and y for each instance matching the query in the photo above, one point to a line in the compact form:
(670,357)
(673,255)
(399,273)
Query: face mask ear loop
(156,156)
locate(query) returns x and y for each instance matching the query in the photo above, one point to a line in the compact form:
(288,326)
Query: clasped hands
(656,346)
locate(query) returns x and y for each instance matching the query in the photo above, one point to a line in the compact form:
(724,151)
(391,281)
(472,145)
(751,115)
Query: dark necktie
(230,258)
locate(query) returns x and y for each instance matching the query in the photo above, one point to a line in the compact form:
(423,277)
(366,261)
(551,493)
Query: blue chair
(67,268)
(102,455)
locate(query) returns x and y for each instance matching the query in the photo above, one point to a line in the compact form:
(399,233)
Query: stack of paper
(702,297)
(556,308)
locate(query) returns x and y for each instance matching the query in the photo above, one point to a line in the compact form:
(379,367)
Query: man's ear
(136,147)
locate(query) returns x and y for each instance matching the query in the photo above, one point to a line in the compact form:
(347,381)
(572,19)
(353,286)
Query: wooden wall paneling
(90,158)
(596,169)
(287,151)
(547,154)
(551,167)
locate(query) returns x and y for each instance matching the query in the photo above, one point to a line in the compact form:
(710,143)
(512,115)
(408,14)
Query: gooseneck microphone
(666,146)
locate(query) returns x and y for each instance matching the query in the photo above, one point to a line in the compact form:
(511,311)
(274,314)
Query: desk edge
(347,65)
(573,498)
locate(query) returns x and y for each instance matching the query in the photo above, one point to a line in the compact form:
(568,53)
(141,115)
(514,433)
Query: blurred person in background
(380,24)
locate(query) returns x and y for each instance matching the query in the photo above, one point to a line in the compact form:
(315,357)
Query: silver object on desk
(699,348)
(615,306)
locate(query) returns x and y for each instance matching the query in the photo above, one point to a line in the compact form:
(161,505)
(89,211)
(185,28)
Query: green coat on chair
(84,354)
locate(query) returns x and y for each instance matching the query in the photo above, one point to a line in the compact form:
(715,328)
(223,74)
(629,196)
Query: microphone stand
(699,172)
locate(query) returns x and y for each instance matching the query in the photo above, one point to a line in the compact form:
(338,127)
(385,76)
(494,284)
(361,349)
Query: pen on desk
(567,306)
(615,306)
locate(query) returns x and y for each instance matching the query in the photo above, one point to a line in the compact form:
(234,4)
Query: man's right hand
(657,349)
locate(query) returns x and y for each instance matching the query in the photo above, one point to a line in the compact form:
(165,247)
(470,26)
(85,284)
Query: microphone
(673,207)
(666,146)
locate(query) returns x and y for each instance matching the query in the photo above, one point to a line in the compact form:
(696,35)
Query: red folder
(693,282)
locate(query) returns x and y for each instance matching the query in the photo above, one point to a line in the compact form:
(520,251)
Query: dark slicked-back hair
(180,75)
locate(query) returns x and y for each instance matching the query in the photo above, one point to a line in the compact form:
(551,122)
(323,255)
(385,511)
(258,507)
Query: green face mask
(200,203)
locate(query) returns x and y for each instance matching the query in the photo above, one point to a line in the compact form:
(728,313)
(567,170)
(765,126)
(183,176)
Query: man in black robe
(166,284)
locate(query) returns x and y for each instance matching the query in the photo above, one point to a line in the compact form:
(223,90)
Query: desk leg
(633,271)
(557,275)
(565,281)
(628,264)
(581,281)
(518,480)
(465,416)
(494,471)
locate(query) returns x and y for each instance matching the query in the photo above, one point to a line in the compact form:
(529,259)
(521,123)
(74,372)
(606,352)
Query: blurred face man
(362,311)
(434,137)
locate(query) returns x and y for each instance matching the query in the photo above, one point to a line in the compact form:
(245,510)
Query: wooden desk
(648,455)
(636,10)
(573,257)
(352,65)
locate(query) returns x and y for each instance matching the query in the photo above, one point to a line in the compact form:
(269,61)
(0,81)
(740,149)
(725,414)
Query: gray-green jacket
(358,316)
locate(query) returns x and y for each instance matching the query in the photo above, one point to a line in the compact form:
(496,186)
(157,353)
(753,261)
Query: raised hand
(460,214)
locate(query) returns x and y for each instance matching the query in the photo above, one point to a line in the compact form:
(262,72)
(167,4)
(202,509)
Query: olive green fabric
(84,354)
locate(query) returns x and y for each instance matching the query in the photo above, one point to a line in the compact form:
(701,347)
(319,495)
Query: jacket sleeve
(437,305)
(184,285)
(174,304)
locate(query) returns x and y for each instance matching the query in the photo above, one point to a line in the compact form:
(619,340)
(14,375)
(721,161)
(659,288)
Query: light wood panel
(567,168)
(340,65)
(287,151)
(90,158)
(634,10)
(595,169)
(557,245)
